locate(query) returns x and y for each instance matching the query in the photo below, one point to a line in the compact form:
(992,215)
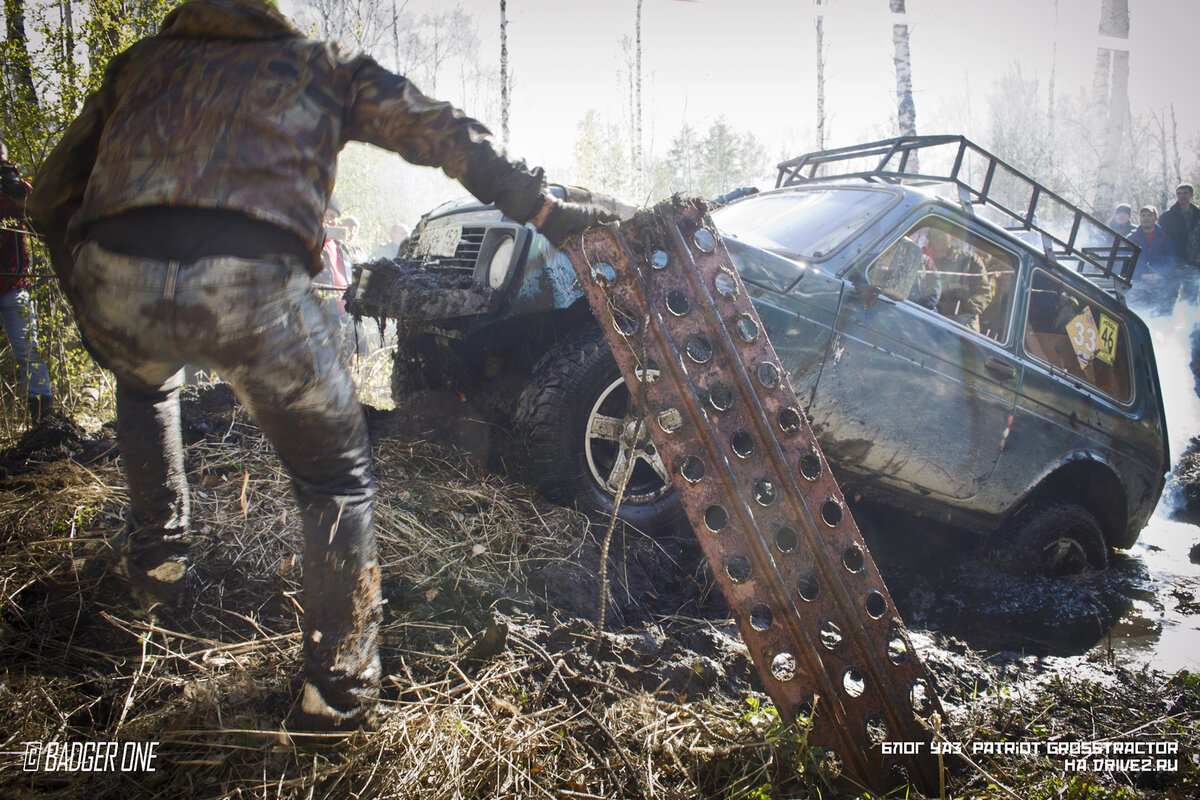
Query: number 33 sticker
(1091,340)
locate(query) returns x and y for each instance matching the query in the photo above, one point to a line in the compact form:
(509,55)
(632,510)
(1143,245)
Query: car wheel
(1054,539)
(582,433)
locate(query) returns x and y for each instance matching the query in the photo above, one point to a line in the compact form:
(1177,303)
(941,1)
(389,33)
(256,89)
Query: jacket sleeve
(388,111)
(59,185)
(982,289)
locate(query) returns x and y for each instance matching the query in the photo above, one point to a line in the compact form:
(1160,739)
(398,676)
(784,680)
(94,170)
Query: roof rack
(987,187)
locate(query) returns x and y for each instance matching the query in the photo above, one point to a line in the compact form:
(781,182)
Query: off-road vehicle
(955,332)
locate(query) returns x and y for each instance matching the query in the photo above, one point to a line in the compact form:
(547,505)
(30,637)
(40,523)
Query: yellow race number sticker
(1107,352)
(1085,337)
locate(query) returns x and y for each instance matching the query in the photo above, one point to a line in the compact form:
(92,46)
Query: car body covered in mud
(958,341)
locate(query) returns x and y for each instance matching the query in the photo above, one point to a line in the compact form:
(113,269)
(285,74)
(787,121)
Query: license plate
(440,241)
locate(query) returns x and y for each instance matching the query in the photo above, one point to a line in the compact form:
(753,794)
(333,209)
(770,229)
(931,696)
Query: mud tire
(1051,538)
(552,417)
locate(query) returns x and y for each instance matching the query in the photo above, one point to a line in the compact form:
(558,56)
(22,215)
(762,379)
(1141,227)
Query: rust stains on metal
(810,603)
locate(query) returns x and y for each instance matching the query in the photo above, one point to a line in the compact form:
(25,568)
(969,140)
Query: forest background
(646,98)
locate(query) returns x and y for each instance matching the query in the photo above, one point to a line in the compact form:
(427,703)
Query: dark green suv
(956,334)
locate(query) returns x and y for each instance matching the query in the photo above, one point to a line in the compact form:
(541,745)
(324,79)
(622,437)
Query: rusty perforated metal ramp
(812,608)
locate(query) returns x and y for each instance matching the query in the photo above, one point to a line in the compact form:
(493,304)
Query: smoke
(1176,348)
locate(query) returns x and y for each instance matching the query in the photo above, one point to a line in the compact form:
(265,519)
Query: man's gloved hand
(558,221)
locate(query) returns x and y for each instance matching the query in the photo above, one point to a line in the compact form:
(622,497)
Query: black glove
(566,219)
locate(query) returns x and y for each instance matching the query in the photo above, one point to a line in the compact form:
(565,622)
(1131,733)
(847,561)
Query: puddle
(1162,627)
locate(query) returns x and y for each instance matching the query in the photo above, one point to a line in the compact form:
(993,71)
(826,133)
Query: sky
(753,62)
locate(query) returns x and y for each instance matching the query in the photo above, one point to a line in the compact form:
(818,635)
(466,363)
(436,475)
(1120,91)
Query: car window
(961,276)
(810,225)
(1077,335)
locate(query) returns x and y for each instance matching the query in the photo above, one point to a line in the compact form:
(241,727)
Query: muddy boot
(158,575)
(343,612)
(341,656)
(40,407)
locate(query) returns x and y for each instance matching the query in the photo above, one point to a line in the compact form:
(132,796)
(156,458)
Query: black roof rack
(986,185)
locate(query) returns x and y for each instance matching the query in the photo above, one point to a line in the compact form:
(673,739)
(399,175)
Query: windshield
(810,224)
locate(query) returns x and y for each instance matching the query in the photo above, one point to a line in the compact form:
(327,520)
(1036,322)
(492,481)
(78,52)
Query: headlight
(501,261)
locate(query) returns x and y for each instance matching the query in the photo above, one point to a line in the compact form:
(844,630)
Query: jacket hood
(228,19)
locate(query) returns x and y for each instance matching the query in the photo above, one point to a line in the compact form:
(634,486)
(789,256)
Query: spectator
(1155,277)
(183,211)
(391,248)
(335,267)
(351,251)
(1120,221)
(1179,220)
(16,307)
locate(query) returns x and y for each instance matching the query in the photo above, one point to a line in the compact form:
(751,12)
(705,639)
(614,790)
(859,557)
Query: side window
(1078,336)
(962,276)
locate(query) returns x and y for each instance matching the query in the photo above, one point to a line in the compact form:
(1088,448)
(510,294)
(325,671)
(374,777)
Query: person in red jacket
(16,308)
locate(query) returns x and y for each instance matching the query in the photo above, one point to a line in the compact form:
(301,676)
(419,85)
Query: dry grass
(536,718)
(82,664)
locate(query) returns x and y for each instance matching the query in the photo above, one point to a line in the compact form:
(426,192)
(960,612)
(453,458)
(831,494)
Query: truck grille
(465,255)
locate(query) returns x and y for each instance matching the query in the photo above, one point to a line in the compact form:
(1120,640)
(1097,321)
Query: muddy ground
(1014,658)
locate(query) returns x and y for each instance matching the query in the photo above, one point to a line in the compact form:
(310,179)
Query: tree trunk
(820,77)
(503,72)
(906,109)
(396,37)
(1175,145)
(638,186)
(1114,23)
(17,65)
(71,76)
(1050,99)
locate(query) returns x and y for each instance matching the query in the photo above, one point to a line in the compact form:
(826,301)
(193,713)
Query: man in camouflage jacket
(183,213)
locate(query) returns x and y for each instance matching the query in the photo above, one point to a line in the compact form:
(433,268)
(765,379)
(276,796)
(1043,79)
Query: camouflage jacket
(967,288)
(230,107)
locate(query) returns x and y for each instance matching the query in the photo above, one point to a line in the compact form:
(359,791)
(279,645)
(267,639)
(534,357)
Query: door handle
(1000,368)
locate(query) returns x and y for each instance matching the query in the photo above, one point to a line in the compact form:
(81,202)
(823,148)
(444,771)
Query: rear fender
(1094,484)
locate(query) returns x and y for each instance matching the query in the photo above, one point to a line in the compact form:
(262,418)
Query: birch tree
(503,72)
(361,25)
(1110,84)
(820,26)
(906,109)
(638,182)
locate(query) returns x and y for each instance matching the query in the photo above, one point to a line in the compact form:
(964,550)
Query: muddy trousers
(256,323)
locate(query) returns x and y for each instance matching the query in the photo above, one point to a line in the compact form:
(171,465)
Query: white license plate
(440,241)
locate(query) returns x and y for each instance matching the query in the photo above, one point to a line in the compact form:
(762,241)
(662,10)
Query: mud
(668,628)
(1186,479)
(210,411)
(54,438)
(404,290)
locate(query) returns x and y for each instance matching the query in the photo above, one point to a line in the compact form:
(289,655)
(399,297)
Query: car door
(909,394)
